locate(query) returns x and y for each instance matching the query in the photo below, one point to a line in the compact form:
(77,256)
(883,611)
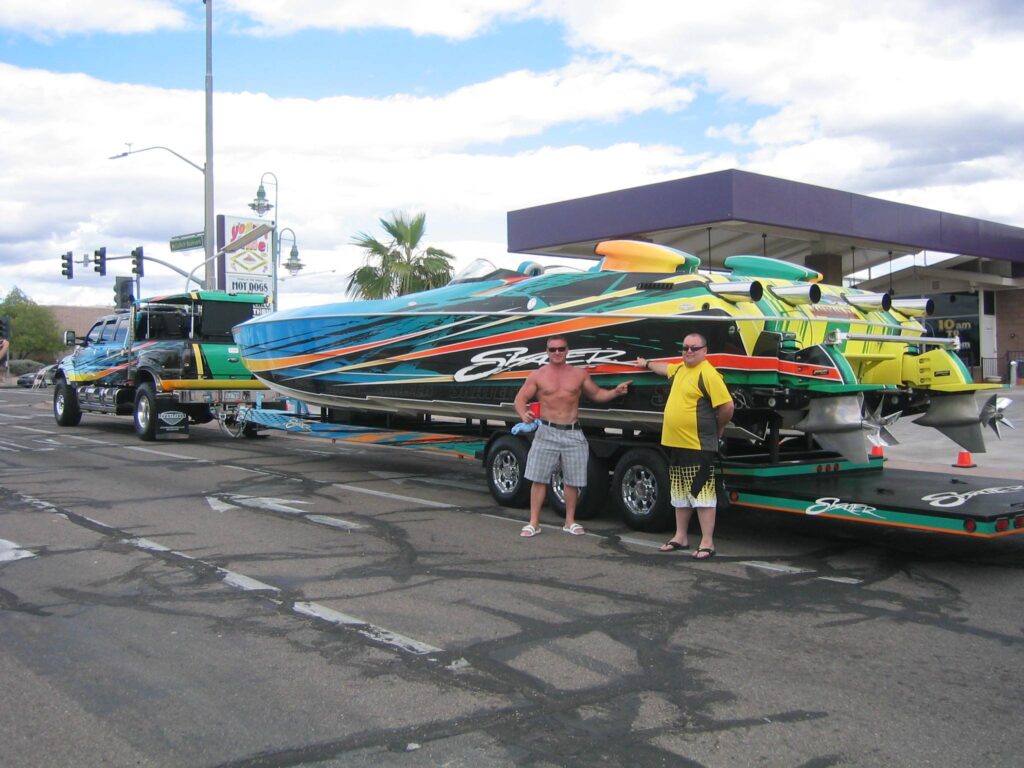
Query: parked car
(41,378)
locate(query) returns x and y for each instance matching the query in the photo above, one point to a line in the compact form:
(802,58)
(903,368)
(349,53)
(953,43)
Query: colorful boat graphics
(835,362)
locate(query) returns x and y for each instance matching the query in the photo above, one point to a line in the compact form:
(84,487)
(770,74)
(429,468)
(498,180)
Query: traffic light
(67,265)
(122,292)
(5,328)
(99,261)
(137,266)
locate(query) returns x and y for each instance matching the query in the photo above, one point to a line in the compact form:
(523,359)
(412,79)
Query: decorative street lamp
(261,205)
(293,265)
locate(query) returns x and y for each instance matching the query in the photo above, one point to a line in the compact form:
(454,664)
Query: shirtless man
(559,437)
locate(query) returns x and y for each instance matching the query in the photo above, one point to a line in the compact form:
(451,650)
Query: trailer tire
(66,411)
(506,471)
(591,500)
(145,412)
(641,490)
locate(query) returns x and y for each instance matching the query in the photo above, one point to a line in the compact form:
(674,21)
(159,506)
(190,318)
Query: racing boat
(800,357)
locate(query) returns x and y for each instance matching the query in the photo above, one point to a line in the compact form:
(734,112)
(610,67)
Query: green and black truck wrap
(168,361)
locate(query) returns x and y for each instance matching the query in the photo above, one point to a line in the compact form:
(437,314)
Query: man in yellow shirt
(698,409)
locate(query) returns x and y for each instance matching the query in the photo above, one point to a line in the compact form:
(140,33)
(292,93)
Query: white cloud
(47,19)
(454,19)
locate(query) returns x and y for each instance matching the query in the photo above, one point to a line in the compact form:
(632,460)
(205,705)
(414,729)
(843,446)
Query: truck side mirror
(69,338)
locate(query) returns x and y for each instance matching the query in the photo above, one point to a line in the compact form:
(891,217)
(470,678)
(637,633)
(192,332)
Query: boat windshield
(475,270)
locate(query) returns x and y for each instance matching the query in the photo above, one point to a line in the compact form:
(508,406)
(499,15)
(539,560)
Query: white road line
(241,581)
(9,552)
(378,634)
(841,579)
(151,546)
(397,497)
(462,486)
(776,567)
(165,454)
(33,429)
(312,610)
(89,440)
(334,522)
(219,506)
(640,542)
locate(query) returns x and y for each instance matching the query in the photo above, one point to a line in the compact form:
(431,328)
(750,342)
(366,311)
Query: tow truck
(168,361)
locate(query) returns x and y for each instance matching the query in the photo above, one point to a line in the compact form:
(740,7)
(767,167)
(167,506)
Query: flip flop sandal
(673,546)
(529,531)
(709,553)
(575,529)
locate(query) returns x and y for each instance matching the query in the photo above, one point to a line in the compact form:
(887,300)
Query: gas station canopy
(721,214)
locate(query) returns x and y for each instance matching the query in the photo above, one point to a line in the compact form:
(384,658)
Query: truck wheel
(65,405)
(145,412)
(641,490)
(591,501)
(505,467)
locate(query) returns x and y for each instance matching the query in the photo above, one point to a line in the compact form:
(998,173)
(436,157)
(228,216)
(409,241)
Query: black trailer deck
(968,505)
(813,484)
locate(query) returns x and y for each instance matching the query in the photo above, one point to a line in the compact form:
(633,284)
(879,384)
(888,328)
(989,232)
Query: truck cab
(169,361)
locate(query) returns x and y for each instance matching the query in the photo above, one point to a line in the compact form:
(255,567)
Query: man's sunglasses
(687,348)
(557,349)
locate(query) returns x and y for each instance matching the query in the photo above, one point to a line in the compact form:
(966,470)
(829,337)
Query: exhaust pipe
(734,292)
(913,307)
(797,295)
(869,302)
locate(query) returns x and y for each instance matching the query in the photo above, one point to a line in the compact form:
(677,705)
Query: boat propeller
(958,418)
(838,424)
(993,413)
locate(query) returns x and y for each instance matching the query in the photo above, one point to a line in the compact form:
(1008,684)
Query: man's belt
(553,425)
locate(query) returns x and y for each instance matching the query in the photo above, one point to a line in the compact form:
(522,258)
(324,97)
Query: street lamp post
(293,265)
(210,249)
(261,205)
(208,243)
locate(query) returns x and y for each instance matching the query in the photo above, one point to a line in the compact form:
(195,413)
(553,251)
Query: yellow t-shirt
(690,420)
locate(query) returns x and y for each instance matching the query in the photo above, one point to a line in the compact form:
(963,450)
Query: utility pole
(211,246)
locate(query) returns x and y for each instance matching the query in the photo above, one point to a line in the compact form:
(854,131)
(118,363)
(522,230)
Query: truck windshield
(219,317)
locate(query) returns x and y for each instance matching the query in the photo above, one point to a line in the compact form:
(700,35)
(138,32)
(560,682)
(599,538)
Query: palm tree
(399,266)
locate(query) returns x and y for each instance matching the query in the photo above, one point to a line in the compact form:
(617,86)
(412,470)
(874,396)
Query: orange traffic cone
(964,460)
(877,452)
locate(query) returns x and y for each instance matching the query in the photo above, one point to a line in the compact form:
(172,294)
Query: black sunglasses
(557,349)
(692,349)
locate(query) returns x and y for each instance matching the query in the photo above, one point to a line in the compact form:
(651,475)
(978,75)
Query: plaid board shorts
(551,446)
(684,465)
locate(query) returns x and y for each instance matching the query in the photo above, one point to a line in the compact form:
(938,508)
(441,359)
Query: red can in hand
(535,410)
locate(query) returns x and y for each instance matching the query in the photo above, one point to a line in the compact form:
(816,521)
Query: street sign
(187,242)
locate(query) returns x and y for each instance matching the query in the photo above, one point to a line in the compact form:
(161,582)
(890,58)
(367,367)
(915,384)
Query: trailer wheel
(641,490)
(506,467)
(145,412)
(65,405)
(591,501)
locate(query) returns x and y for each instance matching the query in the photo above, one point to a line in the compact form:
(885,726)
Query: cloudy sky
(466,109)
